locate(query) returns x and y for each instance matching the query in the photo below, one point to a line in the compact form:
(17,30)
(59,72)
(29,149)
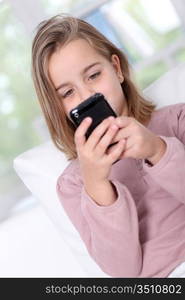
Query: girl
(131,214)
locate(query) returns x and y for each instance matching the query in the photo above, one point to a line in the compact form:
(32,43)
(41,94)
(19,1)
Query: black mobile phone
(96,107)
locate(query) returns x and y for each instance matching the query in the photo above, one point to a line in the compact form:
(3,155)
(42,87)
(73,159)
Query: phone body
(96,107)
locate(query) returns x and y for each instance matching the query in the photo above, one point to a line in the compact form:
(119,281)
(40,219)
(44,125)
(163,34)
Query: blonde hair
(51,35)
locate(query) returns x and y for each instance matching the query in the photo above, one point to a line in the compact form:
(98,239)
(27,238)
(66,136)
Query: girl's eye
(68,93)
(93,76)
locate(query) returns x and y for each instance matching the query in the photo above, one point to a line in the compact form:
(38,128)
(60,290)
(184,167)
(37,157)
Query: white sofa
(40,167)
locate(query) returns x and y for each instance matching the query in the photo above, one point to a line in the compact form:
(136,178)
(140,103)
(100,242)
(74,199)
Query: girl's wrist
(161,149)
(103,193)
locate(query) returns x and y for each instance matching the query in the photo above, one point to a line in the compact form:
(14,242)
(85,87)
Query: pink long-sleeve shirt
(142,234)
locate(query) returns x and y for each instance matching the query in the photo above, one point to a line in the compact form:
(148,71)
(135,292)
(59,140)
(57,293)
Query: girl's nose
(85,93)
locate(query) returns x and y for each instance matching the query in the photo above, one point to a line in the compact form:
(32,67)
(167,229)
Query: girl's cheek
(67,109)
(103,87)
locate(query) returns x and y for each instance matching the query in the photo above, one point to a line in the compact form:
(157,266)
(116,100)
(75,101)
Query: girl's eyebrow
(84,71)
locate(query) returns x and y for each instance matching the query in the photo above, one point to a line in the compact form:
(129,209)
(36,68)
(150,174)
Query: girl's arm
(104,194)
(110,233)
(169,172)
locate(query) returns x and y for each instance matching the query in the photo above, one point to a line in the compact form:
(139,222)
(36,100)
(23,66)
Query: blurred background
(150,32)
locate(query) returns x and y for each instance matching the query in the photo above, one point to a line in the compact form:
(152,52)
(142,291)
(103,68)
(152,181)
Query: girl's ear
(117,66)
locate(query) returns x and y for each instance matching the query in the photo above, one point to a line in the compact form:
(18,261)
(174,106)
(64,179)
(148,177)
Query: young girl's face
(78,71)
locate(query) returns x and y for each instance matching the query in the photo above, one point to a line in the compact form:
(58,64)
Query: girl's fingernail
(88,119)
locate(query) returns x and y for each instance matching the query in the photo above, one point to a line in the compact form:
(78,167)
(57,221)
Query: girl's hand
(94,160)
(141,143)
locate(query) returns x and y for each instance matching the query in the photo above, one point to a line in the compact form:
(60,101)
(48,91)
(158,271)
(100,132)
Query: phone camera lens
(76,115)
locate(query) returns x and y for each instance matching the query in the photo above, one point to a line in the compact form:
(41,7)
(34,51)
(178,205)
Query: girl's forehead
(79,47)
(74,53)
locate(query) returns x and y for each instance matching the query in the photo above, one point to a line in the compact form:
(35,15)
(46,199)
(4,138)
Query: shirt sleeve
(110,233)
(179,121)
(169,172)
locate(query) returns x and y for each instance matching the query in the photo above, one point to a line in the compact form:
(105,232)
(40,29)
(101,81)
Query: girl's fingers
(116,151)
(98,132)
(106,140)
(123,121)
(80,132)
(122,133)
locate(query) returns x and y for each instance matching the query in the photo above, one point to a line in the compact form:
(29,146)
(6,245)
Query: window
(18,105)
